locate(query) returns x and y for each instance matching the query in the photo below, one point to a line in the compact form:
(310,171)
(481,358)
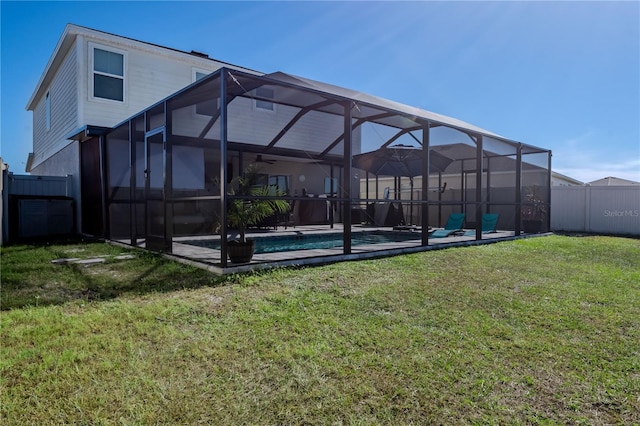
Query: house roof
(569,180)
(613,181)
(69,35)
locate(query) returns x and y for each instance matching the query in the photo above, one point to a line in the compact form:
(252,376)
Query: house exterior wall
(313,132)
(249,124)
(150,76)
(62,163)
(63,92)
(151,73)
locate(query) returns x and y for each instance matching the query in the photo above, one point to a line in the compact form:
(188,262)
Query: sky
(563,76)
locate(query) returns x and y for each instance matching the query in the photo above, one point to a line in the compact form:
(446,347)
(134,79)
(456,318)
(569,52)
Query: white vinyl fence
(597,209)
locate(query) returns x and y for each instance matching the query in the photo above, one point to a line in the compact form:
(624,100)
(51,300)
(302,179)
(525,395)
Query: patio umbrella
(399,160)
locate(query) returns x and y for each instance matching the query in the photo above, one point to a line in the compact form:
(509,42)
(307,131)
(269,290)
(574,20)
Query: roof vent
(200,54)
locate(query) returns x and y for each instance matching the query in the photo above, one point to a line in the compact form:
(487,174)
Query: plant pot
(532,226)
(241,252)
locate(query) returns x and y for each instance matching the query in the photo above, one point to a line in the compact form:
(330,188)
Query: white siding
(64,111)
(151,74)
(314,132)
(149,78)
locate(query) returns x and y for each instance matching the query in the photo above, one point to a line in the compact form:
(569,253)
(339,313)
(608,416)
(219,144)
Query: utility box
(36,207)
(41,217)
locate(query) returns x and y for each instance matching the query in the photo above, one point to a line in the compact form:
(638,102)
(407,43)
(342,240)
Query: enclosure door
(157,237)
(91,188)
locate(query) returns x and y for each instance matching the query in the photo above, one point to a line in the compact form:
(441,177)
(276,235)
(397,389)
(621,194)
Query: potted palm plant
(534,211)
(244,213)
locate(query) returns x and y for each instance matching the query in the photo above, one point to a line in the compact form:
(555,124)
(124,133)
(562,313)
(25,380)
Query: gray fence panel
(50,186)
(598,209)
(568,208)
(33,218)
(615,210)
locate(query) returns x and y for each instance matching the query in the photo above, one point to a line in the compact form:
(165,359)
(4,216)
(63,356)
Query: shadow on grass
(30,279)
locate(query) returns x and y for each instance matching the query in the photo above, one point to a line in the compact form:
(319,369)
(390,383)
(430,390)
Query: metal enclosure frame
(212,122)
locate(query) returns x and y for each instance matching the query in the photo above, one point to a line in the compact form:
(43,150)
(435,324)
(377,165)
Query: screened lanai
(167,174)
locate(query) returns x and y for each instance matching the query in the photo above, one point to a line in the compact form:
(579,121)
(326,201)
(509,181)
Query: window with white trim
(47,110)
(107,74)
(199,75)
(263,93)
(209,107)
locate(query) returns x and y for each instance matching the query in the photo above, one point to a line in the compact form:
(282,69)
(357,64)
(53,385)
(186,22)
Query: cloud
(585,158)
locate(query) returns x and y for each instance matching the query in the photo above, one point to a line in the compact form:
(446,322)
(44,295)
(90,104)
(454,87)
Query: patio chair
(489,222)
(454,224)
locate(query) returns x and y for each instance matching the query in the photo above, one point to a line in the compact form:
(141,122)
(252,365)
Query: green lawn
(535,331)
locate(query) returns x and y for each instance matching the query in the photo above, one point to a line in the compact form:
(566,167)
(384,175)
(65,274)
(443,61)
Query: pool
(280,243)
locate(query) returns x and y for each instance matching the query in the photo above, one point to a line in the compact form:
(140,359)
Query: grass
(30,278)
(536,331)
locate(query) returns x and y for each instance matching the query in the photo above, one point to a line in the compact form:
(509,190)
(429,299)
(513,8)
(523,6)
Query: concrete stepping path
(90,261)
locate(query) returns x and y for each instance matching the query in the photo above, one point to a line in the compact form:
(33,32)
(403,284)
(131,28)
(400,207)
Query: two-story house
(153,137)
(99,79)
(93,81)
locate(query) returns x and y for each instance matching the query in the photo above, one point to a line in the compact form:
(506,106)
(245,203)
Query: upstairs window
(207,107)
(108,74)
(263,93)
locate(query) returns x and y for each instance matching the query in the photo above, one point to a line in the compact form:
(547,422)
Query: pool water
(280,243)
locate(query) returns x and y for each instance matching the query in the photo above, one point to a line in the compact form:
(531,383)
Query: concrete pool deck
(210,259)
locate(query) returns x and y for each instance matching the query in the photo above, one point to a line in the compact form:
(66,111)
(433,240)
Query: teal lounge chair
(454,224)
(489,222)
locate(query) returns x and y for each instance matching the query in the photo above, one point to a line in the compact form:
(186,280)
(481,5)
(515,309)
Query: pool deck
(210,259)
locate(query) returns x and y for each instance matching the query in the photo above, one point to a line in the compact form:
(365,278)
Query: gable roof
(566,179)
(613,181)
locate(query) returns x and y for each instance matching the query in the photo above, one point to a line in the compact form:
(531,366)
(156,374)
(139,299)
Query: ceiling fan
(259,159)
